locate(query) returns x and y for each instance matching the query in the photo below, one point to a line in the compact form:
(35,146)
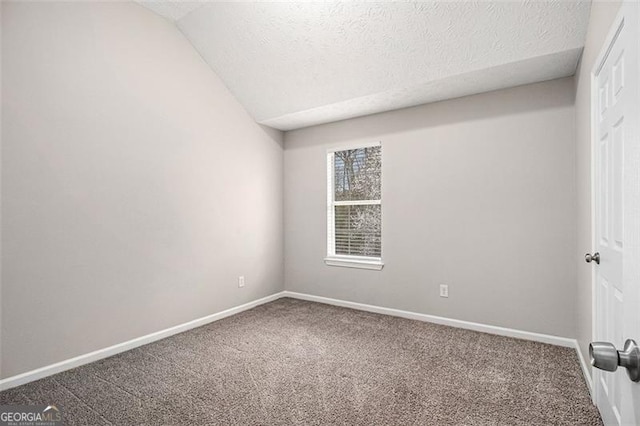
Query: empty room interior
(320,213)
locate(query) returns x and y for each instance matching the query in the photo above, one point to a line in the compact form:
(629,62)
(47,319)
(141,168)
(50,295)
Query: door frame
(626,9)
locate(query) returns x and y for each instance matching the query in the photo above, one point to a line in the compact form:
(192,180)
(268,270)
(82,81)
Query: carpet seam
(82,401)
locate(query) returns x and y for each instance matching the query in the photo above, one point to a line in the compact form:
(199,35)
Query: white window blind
(354,203)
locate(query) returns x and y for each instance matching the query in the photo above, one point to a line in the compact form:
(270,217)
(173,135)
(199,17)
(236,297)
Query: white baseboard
(68,364)
(491,329)
(586,370)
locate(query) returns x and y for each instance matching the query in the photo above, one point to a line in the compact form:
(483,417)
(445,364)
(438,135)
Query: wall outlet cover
(444,290)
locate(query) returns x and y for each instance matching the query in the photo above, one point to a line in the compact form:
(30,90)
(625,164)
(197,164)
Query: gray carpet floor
(295,362)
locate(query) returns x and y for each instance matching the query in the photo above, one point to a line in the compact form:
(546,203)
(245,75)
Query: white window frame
(332,259)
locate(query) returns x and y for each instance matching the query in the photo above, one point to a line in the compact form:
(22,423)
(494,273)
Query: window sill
(354,262)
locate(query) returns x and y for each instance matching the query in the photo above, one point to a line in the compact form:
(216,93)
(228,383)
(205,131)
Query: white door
(616,152)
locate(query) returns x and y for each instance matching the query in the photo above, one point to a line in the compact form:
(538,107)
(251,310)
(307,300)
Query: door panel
(617,227)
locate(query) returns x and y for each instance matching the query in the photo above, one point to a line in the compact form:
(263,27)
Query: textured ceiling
(172,10)
(296,64)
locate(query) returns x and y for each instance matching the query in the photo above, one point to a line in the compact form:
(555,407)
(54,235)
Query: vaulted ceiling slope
(296,64)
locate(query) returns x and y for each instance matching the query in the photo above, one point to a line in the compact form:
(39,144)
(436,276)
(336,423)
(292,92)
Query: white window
(354,207)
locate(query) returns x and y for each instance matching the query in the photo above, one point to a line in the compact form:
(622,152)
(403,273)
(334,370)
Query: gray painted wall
(135,188)
(478,193)
(124,212)
(602,16)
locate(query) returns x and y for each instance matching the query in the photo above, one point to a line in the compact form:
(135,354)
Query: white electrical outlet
(241,281)
(444,290)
